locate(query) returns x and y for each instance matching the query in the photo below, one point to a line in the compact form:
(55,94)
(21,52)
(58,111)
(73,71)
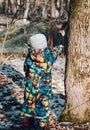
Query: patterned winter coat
(37,67)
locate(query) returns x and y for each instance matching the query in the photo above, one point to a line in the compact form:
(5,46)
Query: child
(37,67)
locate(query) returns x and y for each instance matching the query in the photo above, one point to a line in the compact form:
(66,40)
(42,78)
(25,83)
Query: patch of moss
(74,7)
(87,115)
(76,72)
(67,116)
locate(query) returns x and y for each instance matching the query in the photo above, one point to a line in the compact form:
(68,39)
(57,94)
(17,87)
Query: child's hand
(61,47)
(62,32)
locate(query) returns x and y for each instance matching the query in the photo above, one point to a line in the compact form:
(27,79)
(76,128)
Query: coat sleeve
(56,51)
(53,54)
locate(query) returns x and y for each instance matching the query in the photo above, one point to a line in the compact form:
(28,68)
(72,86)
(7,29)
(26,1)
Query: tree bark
(78,61)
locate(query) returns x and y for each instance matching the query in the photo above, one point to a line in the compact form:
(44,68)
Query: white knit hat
(38,41)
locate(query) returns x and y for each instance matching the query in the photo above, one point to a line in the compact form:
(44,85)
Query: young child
(37,67)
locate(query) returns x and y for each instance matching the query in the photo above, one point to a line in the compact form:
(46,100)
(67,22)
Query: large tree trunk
(78,69)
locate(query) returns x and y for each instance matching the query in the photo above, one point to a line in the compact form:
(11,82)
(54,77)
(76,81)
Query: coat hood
(40,55)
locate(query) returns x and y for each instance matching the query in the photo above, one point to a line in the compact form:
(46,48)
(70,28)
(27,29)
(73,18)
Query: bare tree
(26,10)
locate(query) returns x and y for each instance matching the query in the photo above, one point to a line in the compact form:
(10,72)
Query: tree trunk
(78,69)
(26,11)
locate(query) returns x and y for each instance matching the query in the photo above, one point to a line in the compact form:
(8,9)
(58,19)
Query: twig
(2,63)
(3,44)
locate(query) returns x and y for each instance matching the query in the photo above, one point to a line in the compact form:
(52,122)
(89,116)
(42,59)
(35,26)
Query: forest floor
(12,84)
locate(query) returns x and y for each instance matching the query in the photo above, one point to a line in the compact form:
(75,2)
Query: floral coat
(37,67)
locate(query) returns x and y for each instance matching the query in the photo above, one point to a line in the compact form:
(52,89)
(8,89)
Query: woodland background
(19,19)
